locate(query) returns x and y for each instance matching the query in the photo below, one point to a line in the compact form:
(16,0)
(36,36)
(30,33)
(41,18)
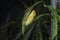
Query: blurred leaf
(24,20)
(58,18)
(58,10)
(55,23)
(39,16)
(33,5)
(27,12)
(41,38)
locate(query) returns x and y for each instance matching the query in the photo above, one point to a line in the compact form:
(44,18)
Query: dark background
(12,8)
(9,8)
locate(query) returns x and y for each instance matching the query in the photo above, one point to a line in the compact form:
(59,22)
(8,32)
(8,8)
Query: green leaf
(39,16)
(58,10)
(24,20)
(27,12)
(55,22)
(41,38)
(58,18)
(33,5)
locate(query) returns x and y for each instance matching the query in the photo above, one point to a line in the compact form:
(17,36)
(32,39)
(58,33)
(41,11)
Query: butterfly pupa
(31,17)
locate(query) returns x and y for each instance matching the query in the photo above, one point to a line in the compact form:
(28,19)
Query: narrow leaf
(27,12)
(55,22)
(24,20)
(39,16)
(58,18)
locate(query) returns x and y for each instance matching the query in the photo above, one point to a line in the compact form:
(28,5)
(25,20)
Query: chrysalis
(31,17)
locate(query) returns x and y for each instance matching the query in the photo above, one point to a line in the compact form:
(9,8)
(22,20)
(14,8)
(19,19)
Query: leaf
(58,10)
(33,5)
(55,22)
(41,38)
(24,20)
(58,18)
(27,12)
(39,16)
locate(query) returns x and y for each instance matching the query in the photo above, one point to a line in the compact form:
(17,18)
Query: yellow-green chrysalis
(31,17)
